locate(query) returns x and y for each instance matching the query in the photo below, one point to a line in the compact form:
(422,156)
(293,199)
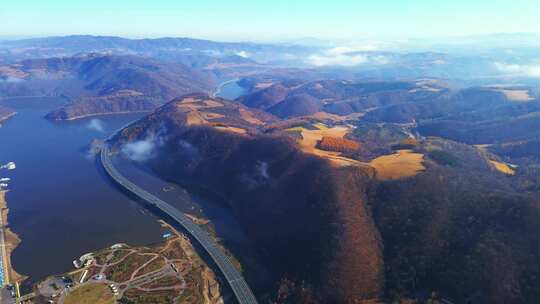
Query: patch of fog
(289,56)
(248,181)
(347,56)
(11,79)
(340,50)
(187,148)
(337,60)
(256,178)
(213,53)
(141,150)
(243,54)
(262,167)
(96,125)
(518,69)
(145,149)
(94,149)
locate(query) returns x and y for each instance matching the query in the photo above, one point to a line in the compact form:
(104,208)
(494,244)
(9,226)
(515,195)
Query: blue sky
(269,20)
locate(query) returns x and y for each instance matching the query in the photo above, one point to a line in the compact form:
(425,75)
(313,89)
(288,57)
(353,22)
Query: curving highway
(234,278)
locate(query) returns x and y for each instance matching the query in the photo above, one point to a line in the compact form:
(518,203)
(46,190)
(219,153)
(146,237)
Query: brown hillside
(308,219)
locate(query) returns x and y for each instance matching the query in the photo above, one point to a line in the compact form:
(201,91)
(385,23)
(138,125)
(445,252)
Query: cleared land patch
(310,140)
(200,112)
(502,167)
(247,116)
(517,95)
(91,294)
(231,129)
(403,163)
(338,118)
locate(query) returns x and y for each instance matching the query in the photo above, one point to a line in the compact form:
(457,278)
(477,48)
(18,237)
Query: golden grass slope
(310,139)
(231,129)
(502,167)
(199,113)
(403,163)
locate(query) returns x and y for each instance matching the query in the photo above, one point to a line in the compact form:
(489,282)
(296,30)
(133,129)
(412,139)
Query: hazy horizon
(269,21)
(277,40)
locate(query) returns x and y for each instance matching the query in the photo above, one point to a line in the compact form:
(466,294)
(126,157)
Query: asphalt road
(234,277)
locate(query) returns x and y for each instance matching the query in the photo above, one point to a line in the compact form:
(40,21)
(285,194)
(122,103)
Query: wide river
(61,203)
(61,206)
(230,90)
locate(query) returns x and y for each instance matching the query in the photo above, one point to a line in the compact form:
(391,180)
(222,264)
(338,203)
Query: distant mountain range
(296,98)
(161,48)
(480,59)
(102,84)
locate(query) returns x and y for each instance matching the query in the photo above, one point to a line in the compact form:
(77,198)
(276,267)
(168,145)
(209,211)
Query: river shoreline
(217,91)
(6,117)
(97,115)
(11,240)
(60,205)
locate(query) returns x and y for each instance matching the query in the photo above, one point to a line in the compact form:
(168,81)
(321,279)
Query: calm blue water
(187,201)
(61,205)
(231,91)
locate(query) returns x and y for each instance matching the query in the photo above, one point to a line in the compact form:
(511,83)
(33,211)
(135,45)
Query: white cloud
(243,54)
(96,125)
(187,148)
(339,60)
(262,167)
(340,50)
(379,59)
(11,79)
(213,53)
(518,69)
(141,150)
(289,56)
(347,56)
